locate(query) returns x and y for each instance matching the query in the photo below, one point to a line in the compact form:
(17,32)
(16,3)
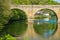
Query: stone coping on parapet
(37,6)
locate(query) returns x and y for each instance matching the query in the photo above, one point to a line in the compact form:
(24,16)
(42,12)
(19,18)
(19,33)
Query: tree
(4,12)
(21,2)
(35,2)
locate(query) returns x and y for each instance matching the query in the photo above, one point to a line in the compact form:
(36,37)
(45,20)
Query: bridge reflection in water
(47,30)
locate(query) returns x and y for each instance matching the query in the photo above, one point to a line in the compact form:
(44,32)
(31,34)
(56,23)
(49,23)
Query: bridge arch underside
(30,11)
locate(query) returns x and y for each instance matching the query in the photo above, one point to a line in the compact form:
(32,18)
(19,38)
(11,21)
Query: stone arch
(17,25)
(39,16)
(20,9)
(21,13)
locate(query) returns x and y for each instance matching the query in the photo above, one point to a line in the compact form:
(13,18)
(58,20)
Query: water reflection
(16,28)
(45,22)
(41,21)
(45,28)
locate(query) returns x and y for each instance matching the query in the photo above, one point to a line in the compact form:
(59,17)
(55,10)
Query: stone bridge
(30,10)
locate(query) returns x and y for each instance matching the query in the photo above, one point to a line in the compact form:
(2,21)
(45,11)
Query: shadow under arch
(20,13)
(17,24)
(42,22)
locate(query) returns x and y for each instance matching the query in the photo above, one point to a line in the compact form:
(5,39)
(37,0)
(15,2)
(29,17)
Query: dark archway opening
(17,25)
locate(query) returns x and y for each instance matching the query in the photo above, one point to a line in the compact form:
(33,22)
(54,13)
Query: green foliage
(16,28)
(51,13)
(1,27)
(5,13)
(18,14)
(37,17)
(7,37)
(35,2)
(21,2)
(17,24)
(44,27)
